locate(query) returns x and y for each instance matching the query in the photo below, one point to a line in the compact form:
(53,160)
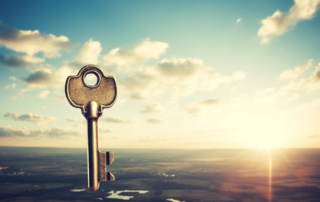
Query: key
(92,99)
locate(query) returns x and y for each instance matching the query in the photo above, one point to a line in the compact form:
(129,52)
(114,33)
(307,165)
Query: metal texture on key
(92,99)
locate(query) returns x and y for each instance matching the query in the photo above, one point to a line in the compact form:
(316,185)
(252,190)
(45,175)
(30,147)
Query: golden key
(92,99)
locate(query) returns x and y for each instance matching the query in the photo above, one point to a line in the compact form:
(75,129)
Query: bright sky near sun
(190,74)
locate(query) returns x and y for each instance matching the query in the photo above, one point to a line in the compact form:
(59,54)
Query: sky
(190,74)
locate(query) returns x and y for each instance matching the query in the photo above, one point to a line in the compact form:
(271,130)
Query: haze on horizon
(197,75)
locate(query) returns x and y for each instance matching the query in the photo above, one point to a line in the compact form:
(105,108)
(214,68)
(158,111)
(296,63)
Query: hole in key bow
(91,79)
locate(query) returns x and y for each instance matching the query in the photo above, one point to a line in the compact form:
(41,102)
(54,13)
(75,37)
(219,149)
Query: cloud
(42,79)
(212,101)
(180,68)
(310,83)
(196,108)
(108,131)
(88,54)
(152,108)
(296,72)
(315,77)
(278,24)
(57,132)
(154,121)
(8,131)
(33,118)
(140,84)
(238,20)
(71,119)
(14,61)
(114,119)
(178,76)
(45,76)
(44,94)
(141,53)
(33,42)
(10,86)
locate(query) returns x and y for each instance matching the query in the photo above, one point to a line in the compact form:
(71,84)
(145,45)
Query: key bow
(79,93)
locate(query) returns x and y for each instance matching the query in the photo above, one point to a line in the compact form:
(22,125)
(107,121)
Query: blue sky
(191,74)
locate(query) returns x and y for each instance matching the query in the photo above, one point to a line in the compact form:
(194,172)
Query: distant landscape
(59,174)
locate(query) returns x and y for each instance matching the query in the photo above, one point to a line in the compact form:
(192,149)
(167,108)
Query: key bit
(92,99)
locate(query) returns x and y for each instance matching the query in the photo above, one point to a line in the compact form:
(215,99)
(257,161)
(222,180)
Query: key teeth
(105,158)
(110,176)
(110,157)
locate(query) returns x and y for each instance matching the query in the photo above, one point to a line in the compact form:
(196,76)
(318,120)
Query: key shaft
(92,116)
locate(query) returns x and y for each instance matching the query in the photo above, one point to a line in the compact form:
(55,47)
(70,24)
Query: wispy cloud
(278,23)
(71,119)
(139,54)
(296,72)
(176,76)
(114,119)
(196,108)
(33,118)
(155,121)
(12,86)
(8,131)
(238,20)
(152,108)
(44,94)
(46,76)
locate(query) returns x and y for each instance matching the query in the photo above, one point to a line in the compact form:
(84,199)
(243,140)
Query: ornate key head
(80,94)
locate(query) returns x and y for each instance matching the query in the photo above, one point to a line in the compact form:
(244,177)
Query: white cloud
(10,86)
(140,85)
(141,53)
(44,94)
(57,133)
(8,131)
(33,42)
(45,76)
(278,24)
(71,119)
(198,107)
(296,72)
(153,108)
(315,78)
(33,118)
(238,20)
(88,54)
(180,68)
(114,119)
(154,121)
(108,130)
(309,83)
(177,76)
